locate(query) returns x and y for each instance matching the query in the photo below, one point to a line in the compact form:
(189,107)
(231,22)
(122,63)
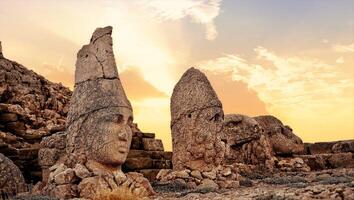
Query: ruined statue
(98,134)
(196,123)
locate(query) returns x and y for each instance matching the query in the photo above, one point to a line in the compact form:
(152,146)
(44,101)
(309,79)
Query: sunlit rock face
(100,113)
(98,134)
(281,137)
(245,142)
(196,114)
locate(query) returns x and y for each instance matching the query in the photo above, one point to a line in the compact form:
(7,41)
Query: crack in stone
(94,41)
(93,111)
(191,111)
(98,78)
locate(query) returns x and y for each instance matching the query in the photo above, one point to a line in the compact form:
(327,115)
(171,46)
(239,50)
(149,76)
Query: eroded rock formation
(196,123)
(98,134)
(11,179)
(31,108)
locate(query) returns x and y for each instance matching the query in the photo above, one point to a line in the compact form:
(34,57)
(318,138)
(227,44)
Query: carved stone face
(196,123)
(108,138)
(200,146)
(239,129)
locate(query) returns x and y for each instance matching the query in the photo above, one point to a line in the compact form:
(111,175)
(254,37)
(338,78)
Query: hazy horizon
(290,59)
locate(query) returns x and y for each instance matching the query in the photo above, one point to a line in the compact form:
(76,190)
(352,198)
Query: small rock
(81,171)
(226,171)
(120,177)
(208,184)
(197,174)
(182,174)
(65,177)
(246,182)
(162,173)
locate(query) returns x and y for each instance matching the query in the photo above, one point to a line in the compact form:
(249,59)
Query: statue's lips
(122,149)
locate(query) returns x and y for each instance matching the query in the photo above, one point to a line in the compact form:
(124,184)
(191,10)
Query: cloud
(344,48)
(292,83)
(200,11)
(340,60)
(314,97)
(236,96)
(136,87)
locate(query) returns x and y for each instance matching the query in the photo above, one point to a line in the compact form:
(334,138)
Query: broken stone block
(152,144)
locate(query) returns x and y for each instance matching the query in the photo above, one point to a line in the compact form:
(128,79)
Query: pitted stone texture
(100,113)
(245,142)
(282,138)
(240,129)
(11,179)
(96,59)
(196,114)
(99,124)
(31,108)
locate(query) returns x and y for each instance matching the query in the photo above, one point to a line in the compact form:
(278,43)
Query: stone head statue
(281,137)
(100,114)
(240,129)
(245,141)
(196,123)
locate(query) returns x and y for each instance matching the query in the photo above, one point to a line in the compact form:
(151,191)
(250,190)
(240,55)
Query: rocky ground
(325,184)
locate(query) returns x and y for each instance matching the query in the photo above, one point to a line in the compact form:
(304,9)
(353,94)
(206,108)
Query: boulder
(11,178)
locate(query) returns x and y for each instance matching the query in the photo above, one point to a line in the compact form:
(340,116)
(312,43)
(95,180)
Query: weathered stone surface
(81,171)
(208,184)
(65,177)
(152,144)
(100,113)
(293,165)
(65,191)
(11,179)
(281,137)
(31,107)
(196,123)
(340,160)
(138,163)
(329,161)
(196,174)
(150,174)
(99,129)
(246,142)
(1,50)
(321,147)
(137,143)
(343,146)
(141,186)
(48,157)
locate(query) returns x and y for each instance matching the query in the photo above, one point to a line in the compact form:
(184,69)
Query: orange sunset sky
(291,59)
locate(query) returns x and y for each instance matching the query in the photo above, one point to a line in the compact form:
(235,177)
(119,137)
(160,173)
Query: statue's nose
(122,135)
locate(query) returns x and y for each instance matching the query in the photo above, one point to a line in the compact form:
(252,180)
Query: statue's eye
(215,118)
(119,119)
